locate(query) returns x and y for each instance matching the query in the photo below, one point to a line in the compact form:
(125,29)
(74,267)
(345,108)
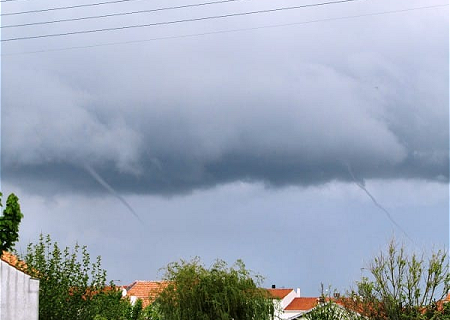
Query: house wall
(288,299)
(19,294)
(280,305)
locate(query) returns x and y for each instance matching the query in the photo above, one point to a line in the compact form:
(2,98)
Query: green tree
(330,308)
(218,293)
(403,286)
(9,223)
(71,287)
(151,312)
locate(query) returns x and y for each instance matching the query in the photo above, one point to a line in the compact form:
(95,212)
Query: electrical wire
(223,31)
(178,21)
(120,14)
(66,7)
(1,1)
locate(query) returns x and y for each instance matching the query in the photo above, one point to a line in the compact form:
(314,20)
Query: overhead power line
(65,7)
(178,21)
(120,14)
(1,1)
(225,31)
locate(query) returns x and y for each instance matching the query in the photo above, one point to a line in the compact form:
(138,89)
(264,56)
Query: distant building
(19,293)
(290,305)
(147,291)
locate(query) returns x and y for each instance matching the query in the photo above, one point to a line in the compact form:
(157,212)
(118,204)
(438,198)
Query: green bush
(73,288)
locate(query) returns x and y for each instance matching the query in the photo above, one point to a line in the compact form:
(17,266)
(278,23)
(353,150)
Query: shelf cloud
(185,116)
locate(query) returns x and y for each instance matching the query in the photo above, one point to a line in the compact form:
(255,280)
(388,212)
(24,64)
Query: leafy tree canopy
(403,286)
(9,223)
(329,309)
(72,287)
(219,292)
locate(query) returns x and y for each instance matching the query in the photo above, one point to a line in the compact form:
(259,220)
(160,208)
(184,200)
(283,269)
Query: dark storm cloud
(284,108)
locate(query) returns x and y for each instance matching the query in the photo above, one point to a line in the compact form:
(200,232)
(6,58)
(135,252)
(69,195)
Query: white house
(19,293)
(338,310)
(289,303)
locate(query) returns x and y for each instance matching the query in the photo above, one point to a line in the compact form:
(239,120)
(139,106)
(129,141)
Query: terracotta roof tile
(12,260)
(147,291)
(279,293)
(302,303)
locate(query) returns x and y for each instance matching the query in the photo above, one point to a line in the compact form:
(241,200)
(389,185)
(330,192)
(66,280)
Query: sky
(300,140)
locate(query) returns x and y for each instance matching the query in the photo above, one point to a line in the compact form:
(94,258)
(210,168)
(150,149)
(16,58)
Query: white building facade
(19,294)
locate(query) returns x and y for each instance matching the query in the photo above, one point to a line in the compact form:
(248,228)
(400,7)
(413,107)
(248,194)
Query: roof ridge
(14,261)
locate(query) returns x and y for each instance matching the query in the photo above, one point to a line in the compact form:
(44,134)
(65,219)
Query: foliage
(329,310)
(150,312)
(9,223)
(71,287)
(135,310)
(219,293)
(403,286)
(110,305)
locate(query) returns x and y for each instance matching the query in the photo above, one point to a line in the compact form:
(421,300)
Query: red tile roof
(302,303)
(279,293)
(147,291)
(13,261)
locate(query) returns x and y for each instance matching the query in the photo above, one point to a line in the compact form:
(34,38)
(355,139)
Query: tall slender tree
(9,223)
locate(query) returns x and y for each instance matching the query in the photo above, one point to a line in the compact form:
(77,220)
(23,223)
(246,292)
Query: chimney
(298,292)
(274,286)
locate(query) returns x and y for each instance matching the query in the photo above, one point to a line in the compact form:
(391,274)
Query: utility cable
(120,14)
(223,31)
(66,7)
(178,21)
(1,1)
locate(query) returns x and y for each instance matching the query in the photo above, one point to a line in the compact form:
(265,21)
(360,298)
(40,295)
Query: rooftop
(147,291)
(279,293)
(13,261)
(302,303)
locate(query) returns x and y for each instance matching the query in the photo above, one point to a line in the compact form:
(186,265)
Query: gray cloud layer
(283,106)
